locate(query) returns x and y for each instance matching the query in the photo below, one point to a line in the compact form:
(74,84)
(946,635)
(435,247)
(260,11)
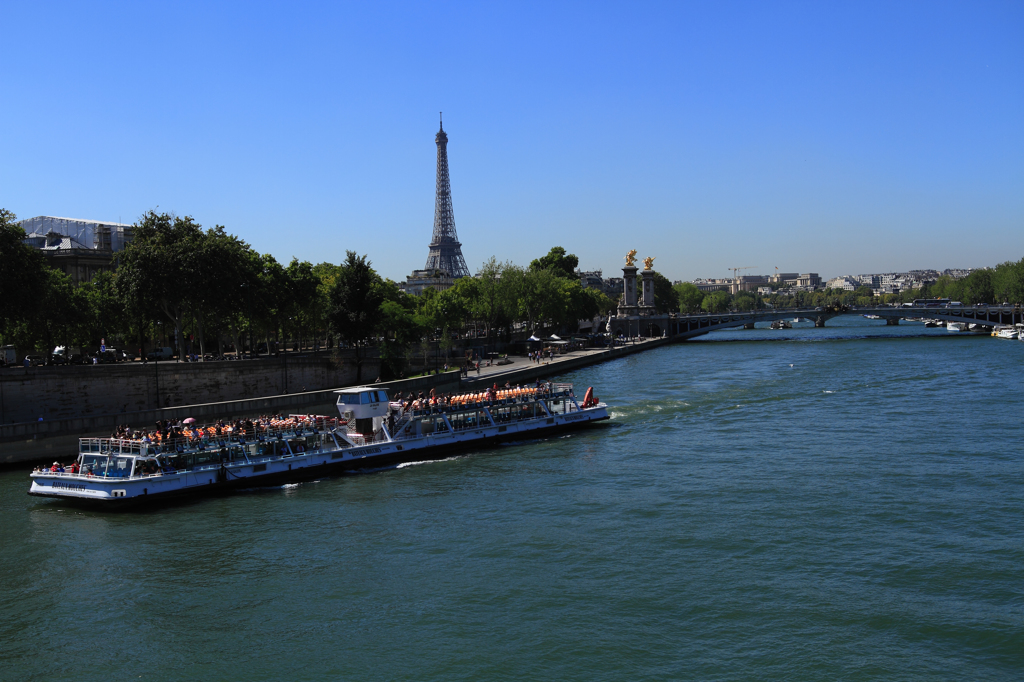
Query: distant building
(79,248)
(784,278)
(845,283)
(810,281)
(420,280)
(713,284)
(747,283)
(594,279)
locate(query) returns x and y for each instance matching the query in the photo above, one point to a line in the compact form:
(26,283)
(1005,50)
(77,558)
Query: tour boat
(1005,333)
(370,433)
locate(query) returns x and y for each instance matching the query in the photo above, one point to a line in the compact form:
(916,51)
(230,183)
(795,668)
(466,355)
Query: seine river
(817,504)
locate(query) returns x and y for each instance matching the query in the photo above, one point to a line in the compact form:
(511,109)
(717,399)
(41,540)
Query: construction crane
(735,270)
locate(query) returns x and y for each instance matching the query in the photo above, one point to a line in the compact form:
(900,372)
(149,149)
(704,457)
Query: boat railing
(202,438)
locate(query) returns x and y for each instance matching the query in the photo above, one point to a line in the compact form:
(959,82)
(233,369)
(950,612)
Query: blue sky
(812,136)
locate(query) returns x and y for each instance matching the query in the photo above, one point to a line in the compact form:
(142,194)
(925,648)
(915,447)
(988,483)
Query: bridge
(688,326)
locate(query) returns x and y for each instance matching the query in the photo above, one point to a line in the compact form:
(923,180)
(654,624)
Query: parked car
(35,360)
(65,355)
(164,353)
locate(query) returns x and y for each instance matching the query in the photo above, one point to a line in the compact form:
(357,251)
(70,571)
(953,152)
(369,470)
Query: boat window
(120,466)
(94,464)
(348,399)
(175,461)
(297,445)
(364,398)
(207,457)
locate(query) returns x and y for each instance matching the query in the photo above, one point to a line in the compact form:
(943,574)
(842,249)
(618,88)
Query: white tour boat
(371,433)
(956,326)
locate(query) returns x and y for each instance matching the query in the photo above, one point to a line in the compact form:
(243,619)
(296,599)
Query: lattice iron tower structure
(445,248)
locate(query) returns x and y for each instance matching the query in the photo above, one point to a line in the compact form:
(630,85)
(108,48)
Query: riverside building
(79,248)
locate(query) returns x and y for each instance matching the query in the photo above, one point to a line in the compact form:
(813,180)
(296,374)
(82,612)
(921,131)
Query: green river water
(806,504)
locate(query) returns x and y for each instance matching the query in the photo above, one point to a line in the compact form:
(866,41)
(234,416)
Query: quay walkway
(522,371)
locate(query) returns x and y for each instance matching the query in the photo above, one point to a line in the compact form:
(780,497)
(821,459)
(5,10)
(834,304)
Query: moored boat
(956,326)
(781,324)
(369,433)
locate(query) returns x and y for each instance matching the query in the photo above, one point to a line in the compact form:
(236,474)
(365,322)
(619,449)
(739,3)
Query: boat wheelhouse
(370,432)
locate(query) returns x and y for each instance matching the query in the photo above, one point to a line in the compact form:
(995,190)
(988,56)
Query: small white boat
(781,324)
(1006,333)
(955,326)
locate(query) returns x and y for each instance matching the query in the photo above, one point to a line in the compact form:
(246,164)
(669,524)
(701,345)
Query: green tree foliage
(558,263)
(1008,282)
(22,275)
(744,300)
(355,301)
(665,299)
(159,269)
(689,296)
(716,302)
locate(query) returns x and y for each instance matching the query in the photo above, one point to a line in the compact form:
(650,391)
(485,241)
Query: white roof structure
(90,234)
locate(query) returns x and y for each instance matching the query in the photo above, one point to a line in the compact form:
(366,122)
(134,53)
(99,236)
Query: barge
(369,433)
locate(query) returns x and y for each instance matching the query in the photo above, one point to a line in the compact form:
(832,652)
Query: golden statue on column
(631,258)
(649,262)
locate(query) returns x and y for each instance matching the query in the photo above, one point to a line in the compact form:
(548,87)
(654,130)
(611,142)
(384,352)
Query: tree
(355,304)
(105,316)
(60,317)
(558,263)
(689,296)
(979,287)
(665,299)
(863,291)
(716,302)
(158,269)
(22,273)
(304,296)
(488,304)
(744,300)
(1008,282)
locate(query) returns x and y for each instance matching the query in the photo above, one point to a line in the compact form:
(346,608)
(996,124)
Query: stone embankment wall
(58,439)
(54,393)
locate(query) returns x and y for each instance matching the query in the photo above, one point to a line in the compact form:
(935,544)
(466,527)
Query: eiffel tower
(445,248)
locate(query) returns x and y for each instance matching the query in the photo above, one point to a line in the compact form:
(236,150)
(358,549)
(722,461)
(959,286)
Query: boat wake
(425,461)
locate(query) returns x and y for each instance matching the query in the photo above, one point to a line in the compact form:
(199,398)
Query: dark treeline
(207,292)
(1001,284)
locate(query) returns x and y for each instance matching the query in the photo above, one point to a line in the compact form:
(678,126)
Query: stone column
(629,286)
(648,290)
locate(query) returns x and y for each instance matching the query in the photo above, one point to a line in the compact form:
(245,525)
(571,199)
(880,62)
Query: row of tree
(209,291)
